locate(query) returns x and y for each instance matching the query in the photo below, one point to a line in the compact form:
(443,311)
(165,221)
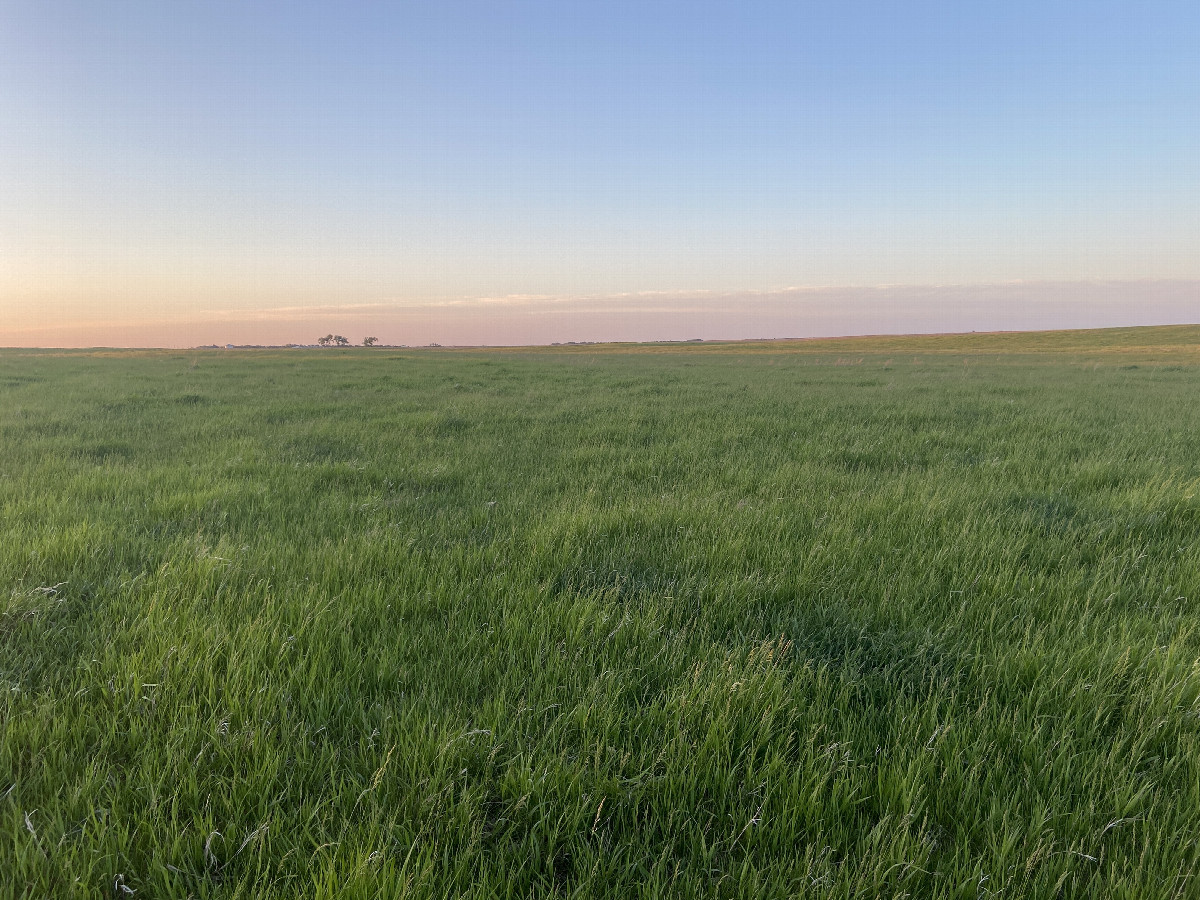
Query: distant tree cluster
(342,341)
(337,340)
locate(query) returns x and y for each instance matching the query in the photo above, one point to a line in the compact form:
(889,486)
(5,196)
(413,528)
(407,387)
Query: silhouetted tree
(341,341)
(370,341)
(325,341)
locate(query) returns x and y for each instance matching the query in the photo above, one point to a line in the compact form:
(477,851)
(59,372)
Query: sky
(184,173)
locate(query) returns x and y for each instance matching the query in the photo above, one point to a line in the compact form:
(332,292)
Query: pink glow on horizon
(653,316)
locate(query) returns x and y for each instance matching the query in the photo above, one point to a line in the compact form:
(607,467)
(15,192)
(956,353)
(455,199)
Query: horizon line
(615,343)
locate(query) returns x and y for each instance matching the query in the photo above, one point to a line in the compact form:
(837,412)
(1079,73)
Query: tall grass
(889,617)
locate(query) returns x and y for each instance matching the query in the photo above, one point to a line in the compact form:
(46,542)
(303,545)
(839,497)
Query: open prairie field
(873,617)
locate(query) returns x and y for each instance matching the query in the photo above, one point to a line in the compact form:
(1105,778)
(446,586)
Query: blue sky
(169,162)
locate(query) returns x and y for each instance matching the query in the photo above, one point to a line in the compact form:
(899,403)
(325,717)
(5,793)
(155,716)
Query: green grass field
(871,617)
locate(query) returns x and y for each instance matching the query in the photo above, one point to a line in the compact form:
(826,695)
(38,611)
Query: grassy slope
(826,619)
